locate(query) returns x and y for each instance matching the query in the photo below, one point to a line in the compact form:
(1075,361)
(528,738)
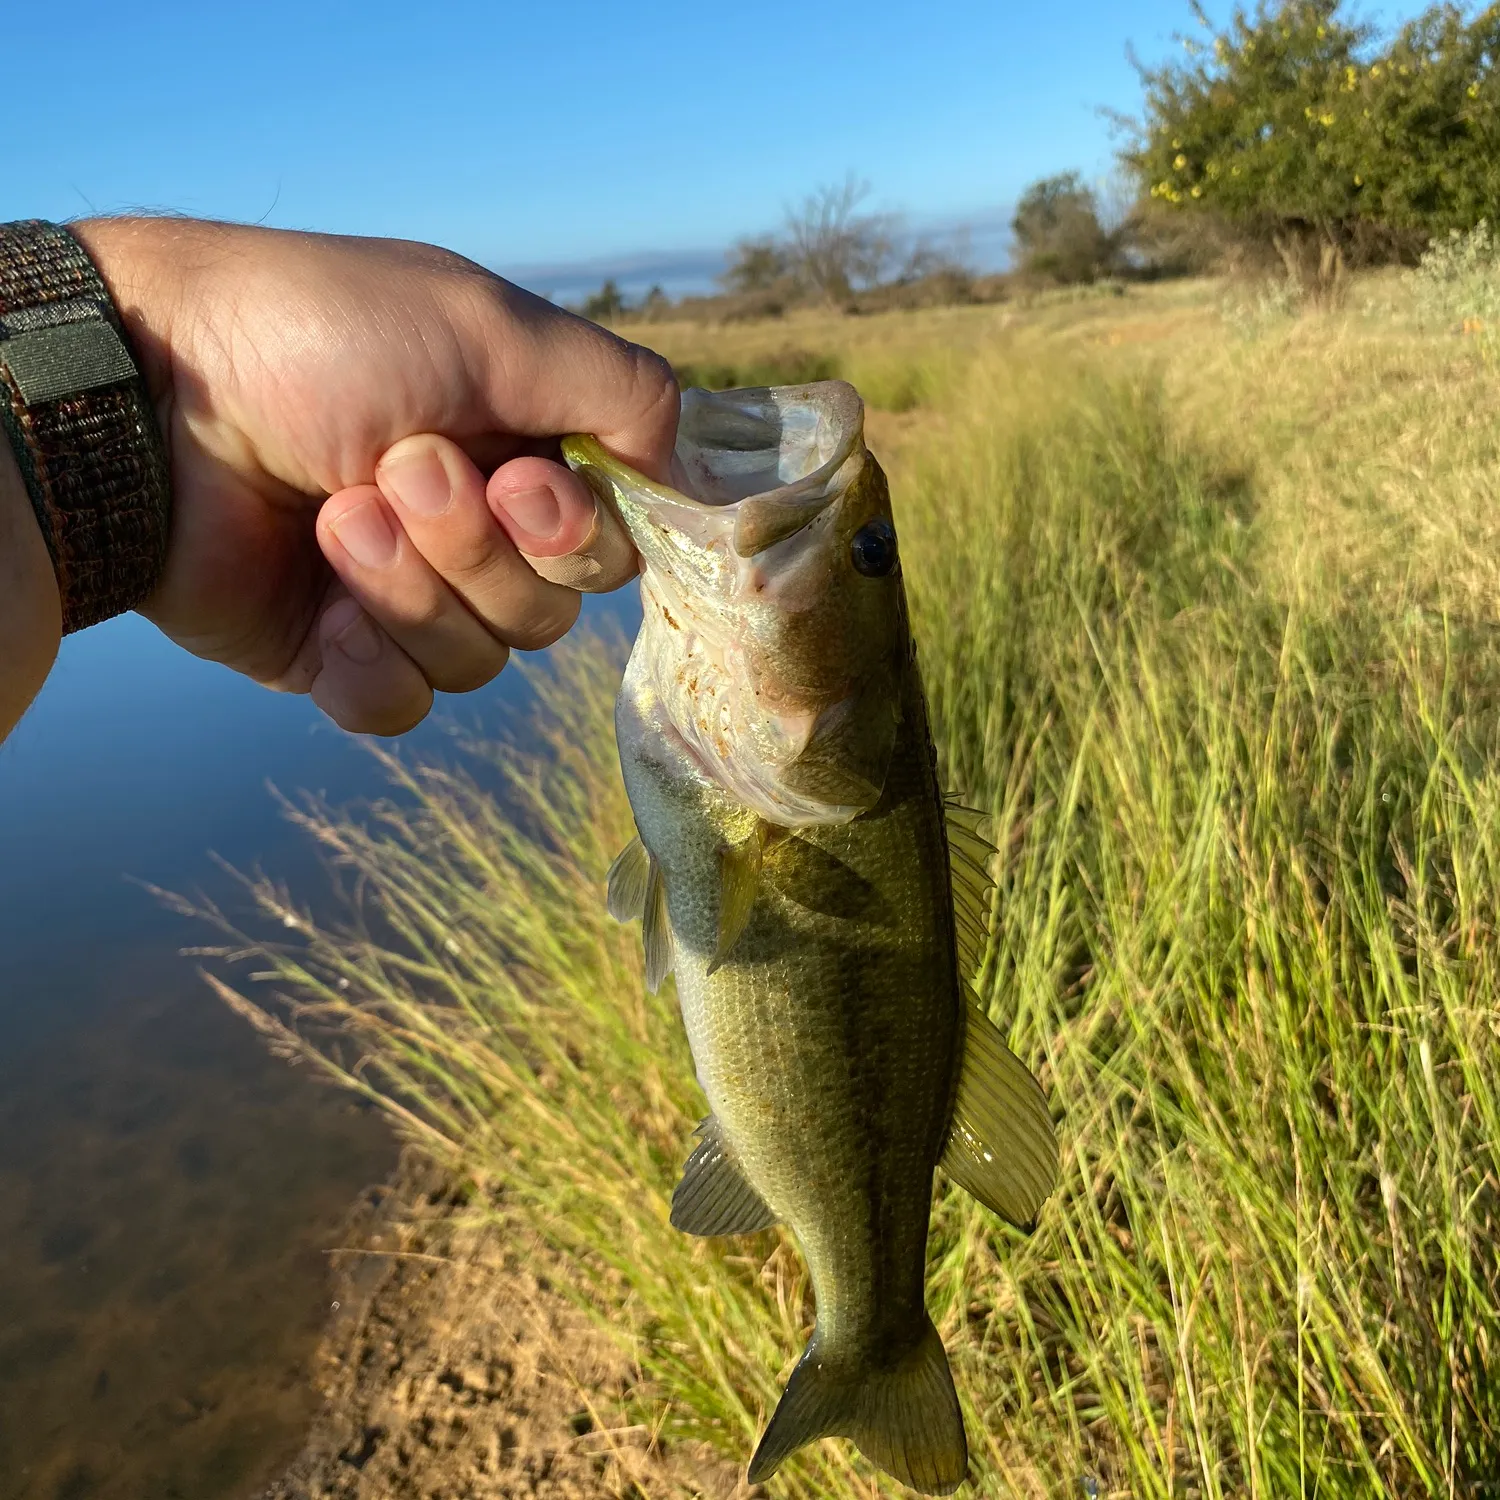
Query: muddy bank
(454,1369)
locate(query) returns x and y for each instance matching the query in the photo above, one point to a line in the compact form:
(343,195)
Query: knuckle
(654,379)
(551,618)
(472,564)
(464,676)
(425,613)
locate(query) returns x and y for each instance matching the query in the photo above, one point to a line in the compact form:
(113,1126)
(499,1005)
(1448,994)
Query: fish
(821,902)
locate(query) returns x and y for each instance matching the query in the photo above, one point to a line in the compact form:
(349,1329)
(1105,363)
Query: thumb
(549,373)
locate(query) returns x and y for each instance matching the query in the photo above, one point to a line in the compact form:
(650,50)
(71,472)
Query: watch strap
(79,418)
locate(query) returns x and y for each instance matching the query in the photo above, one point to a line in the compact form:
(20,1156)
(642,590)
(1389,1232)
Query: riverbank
(455,1368)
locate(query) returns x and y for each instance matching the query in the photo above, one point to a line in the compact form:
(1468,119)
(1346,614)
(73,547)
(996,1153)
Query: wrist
(30,609)
(135,259)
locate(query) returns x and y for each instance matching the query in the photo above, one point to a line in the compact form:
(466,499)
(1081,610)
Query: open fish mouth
(772,658)
(751,468)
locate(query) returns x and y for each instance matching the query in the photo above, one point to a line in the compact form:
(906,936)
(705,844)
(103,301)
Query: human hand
(359,434)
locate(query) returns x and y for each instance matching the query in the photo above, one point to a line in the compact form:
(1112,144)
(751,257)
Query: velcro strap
(65,360)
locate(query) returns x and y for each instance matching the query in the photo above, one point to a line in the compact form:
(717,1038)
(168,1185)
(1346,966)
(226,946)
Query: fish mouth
(759,463)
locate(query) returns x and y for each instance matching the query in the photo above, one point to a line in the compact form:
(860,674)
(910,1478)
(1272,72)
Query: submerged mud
(455,1368)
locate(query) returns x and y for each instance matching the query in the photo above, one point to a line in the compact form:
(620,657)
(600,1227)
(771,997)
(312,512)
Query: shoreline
(452,1368)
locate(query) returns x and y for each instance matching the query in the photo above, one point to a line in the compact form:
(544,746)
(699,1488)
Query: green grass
(1239,744)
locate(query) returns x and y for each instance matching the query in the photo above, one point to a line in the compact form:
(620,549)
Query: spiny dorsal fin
(1002,1148)
(626,883)
(739,884)
(656,930)
(969,856)
(713,1197)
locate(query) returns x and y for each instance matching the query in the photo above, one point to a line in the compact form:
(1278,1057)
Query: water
(168,1192)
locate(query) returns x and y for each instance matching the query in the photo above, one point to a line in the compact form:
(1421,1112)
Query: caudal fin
(904,1418)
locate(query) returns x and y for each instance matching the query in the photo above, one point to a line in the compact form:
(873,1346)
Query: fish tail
(904,1417)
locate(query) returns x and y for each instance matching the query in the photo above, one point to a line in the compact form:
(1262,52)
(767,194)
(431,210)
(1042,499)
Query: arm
(30,616)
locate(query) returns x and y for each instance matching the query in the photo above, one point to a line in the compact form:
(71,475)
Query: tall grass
(1246,932)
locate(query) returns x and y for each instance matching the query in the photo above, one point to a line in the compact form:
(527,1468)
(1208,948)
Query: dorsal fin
(1002,1148)
(969,856)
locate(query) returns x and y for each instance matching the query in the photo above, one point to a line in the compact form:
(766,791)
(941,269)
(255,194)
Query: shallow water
(168,1191)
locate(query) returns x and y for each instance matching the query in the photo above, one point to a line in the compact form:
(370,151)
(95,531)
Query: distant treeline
(1297,138)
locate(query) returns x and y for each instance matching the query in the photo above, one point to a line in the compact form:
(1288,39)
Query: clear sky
(560,130)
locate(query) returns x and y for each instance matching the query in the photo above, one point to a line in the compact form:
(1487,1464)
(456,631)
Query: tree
(1058,233)
(656,304)
(756,265)
(1299,130)
(606,305)
(1428,150)
(832,249)
(1258,130)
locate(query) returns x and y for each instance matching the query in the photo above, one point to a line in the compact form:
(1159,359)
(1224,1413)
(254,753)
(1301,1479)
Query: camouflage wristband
(77,414)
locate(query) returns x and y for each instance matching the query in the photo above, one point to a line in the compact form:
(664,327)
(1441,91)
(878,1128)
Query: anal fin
(1002,1148)
(713,1197)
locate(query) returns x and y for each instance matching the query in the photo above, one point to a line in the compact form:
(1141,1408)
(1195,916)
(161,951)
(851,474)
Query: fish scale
(793,869)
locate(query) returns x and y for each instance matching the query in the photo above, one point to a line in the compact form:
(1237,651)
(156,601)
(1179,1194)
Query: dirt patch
(454,1370)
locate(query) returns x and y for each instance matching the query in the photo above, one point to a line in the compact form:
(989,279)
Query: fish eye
(873,550)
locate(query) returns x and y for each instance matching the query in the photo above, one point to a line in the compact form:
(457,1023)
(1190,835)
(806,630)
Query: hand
(359,434)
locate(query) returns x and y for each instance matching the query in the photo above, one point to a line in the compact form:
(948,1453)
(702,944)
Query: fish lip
(773,513)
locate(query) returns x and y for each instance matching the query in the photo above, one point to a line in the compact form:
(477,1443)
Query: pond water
(168,1191)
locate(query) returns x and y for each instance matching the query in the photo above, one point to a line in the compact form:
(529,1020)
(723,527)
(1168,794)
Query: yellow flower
(1179,161)
(1197,191)
(1358,180)
(1322,31)
(1473,91)
(1234,171)
(1325,120)
(1375,70)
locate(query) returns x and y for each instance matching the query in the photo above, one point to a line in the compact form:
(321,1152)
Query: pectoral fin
(739,884)
(626,883)
(713,1197)
(656,930)
(1002,1148)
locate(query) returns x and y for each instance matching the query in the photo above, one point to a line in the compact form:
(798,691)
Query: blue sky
(536,136)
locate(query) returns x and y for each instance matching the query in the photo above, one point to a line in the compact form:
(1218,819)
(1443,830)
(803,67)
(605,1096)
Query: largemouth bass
(819,900)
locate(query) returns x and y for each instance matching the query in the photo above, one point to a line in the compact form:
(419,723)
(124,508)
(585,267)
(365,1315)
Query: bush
(1457,285)
(1303,137)
(1058,233)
